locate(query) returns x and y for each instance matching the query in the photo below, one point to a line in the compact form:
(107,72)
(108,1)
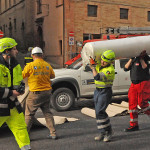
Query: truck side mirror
(87,68)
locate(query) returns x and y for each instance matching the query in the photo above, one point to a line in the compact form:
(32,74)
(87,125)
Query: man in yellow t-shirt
(39,73)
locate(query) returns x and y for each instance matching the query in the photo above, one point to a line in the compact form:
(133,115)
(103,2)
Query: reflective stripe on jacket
(107,76)
(27,60)
(7,85)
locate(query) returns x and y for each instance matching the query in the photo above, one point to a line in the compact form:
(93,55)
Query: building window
(59,3)
(92,11)
(10,29)
(15,24)
(96,36)
(22,26)
(0,6)
(14,2)
(148,16)
(60,47)
(86,37)
(124,13)
(6,4)
(4,28)
(39,8)
(91,36)
(9,3)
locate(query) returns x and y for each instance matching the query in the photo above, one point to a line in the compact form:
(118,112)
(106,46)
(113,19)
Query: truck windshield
(76,64)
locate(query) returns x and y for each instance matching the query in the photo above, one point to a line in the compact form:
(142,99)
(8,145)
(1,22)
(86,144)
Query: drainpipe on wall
(64,52)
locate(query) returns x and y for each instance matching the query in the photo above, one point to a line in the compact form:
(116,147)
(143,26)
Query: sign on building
(71,40)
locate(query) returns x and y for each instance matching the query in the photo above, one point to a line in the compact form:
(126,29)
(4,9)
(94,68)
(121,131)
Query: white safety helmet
(37,50)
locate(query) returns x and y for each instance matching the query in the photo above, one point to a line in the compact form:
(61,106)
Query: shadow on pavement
(90,102)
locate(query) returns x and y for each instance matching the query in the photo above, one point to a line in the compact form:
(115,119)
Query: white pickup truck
(77,82)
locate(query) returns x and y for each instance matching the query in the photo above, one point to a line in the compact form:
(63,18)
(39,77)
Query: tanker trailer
(123,48)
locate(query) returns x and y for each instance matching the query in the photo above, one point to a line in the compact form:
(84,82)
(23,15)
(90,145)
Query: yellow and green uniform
(28,59)
(106,76)
(10,108)
(102,96)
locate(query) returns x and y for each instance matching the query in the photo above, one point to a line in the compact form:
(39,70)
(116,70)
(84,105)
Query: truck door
(87,82)
(115,87)
(123,77)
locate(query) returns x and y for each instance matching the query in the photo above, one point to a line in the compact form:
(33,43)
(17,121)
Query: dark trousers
(102,98)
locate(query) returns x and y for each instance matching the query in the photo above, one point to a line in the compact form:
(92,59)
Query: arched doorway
(40,41)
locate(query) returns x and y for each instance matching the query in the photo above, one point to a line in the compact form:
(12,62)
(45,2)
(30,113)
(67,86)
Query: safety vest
(27,60)
(5,76)
(5,82)
(107,76)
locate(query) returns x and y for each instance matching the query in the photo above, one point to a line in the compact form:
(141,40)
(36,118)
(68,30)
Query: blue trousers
(102,98)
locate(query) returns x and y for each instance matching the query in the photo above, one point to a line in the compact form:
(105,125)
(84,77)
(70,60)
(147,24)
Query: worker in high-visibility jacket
(28,58)
(139,91)
(104,74)
(10,80)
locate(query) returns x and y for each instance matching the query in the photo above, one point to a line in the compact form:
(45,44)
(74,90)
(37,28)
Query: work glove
(142,54)
(92,62)
(21,88)
(132,58)
(18,91)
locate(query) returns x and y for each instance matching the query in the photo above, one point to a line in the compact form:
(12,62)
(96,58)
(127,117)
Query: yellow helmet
(108,56)
(7,43)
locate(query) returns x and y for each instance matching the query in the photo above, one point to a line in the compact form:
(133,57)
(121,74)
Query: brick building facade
(47,23)
(14,16)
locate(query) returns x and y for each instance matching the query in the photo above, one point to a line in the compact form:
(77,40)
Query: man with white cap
(39,73)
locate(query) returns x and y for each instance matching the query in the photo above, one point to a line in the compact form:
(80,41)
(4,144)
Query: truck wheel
(62,99)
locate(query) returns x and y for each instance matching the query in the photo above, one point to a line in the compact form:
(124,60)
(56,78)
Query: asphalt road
(79,135)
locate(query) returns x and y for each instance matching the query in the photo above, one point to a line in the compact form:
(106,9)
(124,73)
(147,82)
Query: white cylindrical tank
(123,48)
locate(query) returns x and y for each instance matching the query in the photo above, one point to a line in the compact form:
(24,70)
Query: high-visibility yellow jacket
(39,73)
(27,60)
(10,79)
(105,76)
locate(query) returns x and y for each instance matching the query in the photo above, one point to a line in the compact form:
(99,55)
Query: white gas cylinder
(123,48)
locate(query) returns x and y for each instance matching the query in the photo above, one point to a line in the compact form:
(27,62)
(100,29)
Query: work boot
(54,137)
(108,135)
(132,128)
(26,147)
(100,137)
